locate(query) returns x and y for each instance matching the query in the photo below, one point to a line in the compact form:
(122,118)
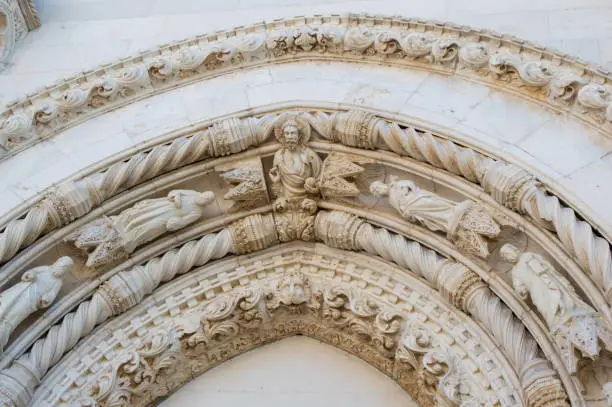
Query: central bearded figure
(296,167)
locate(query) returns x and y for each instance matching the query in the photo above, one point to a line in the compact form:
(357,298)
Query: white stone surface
(320,376)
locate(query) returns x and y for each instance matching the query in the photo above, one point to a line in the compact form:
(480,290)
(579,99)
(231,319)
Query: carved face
(292,136)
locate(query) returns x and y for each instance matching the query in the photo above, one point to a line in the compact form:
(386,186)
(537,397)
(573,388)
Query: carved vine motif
(346,37)
(134,374)
(340,314)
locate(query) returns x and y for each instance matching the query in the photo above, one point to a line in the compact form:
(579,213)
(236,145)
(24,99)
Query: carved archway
(384,317)
(475,202)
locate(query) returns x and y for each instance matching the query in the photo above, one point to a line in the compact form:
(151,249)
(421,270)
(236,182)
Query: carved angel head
(509,253)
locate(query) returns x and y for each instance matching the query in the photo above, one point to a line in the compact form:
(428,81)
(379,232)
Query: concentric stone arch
(439,161)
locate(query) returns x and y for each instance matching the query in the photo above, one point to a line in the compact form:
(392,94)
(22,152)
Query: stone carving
(248,187)
(465,223)
(508,184)
(73,199)
(36,290)
(351,38)
(13,30)
(434,376)
(574,325)
(288,303)
(107,240)
(461,287)
(296,167)
(128,288)
(134,372)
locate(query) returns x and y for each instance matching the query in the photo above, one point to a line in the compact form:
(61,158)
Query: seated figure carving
(573,324)
(465,223)
(109,239)
(37,289)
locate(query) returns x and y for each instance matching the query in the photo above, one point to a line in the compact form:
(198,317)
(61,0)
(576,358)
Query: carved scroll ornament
(288,303)
(521,67)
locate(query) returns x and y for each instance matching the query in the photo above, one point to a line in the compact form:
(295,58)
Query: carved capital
(508,184)
(253,233)
(338,229)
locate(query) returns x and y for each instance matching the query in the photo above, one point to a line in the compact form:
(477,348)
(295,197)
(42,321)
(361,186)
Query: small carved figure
(37,289)
(296,167)
(465,223)
(109,239)
(573,324)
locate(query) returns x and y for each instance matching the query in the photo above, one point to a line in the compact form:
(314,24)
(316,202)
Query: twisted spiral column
(24,231)
(74,199)
(591,251)
(121,292)
(462,287)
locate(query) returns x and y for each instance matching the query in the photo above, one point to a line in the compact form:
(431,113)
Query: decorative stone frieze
(36,290)
(109,239)
(465,223)
(518,66)
(278,296)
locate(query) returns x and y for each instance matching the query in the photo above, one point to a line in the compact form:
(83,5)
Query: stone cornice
(562,82)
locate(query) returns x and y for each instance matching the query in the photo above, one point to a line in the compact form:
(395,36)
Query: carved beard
(291,144)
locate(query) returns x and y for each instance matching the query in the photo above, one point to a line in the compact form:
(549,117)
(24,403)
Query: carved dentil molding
(127,288)
(291,293)
(510,64)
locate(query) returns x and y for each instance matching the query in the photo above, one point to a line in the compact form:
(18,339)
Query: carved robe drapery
(150,218)
(572,322)
(109,239)
(293,168)
(36,290)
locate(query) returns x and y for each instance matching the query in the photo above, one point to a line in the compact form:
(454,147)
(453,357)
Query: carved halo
(303,127)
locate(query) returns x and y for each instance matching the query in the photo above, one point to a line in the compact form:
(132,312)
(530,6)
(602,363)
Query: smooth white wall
(296,372)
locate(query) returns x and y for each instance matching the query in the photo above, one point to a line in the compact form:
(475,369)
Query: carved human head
(379,189)
(291,134)
(509,253)
(204,198)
